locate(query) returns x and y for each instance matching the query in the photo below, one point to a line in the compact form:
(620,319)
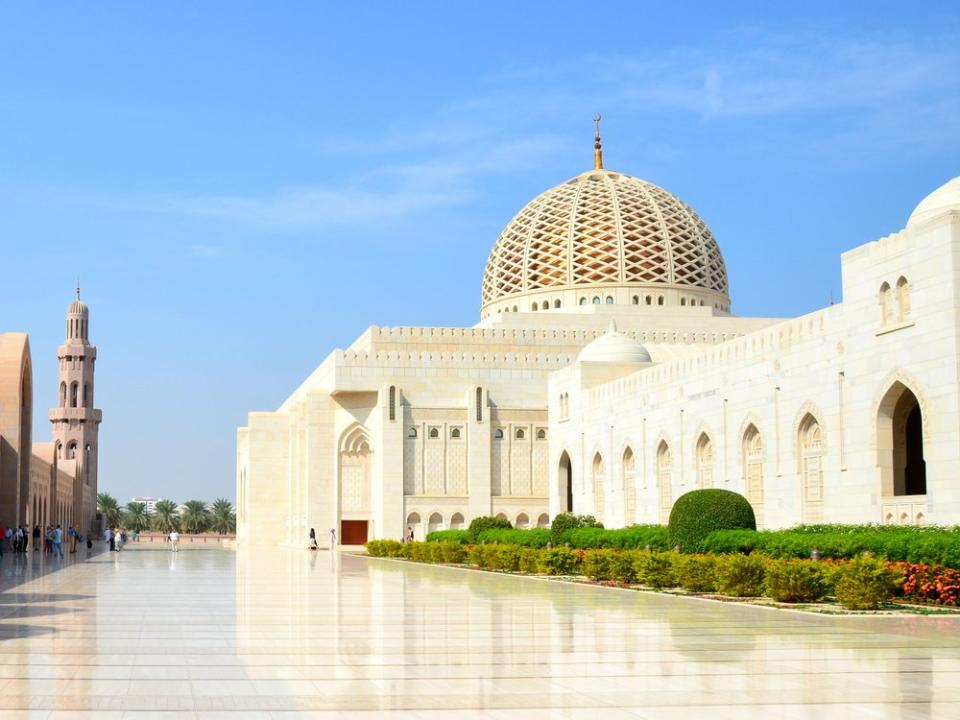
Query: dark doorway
(915,470)
(566,484)
(353,532)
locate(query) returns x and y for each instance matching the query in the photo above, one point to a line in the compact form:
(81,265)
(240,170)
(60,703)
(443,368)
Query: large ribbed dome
(604,229)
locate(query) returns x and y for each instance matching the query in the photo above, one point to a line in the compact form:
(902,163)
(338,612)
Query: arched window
(886,304)
(435,523)
(648,300)
(903,299)
(598,492)
(74,391)
(86,395)
(515,308)
(683,302)
(434,433)
(704,461)
(541,434)
(520,434)
(665,479)
(596,300)
(456,521)
(609,299)
(71,451)
(501,516)
(811,465)
(479,404)
(543,521)
(533,307)
(660,300)
(63,394)
(556,303)
(753,467)
(393,402)
(412,432)
(498,434)
(523,521)
(583,301)
(455,433)
(628,469)
(635,299)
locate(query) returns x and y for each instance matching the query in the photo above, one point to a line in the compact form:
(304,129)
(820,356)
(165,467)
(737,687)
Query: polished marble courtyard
(292,634)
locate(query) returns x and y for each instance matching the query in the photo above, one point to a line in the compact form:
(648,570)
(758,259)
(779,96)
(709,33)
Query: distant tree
(109,508)
(135,516)
(195,517)
(165,516)
(222,517)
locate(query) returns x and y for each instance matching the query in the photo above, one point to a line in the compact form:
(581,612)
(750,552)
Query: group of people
(19,539)
(312,545)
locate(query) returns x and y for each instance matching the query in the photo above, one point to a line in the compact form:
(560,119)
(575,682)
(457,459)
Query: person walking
(110,539)
(333,538)
(72,539)
(58,541)
(36,537)
(117,540)
(312,545)
(174,541)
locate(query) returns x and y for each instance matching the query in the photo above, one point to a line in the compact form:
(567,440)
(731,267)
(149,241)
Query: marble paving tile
(284,634)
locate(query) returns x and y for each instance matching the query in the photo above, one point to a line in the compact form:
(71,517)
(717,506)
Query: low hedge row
(632,537)
(862,583)
(934,546)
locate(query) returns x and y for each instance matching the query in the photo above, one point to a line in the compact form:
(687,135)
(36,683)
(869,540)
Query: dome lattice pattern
(603,227)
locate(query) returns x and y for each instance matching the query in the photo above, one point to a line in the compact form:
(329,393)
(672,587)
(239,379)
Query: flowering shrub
(931,583)
(865,583)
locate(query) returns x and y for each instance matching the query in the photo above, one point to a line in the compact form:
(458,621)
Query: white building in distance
(607,375)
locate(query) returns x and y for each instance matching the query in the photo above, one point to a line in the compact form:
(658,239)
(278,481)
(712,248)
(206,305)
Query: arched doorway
(753,469)
(566,483)
(355,486)
(903,469)
(811,468)
(599,504)
(523,521)
(543,521)
(456,521)
(664,480)
(435,523)
(415,526)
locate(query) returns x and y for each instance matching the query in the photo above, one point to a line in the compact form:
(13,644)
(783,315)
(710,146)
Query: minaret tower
(76,423)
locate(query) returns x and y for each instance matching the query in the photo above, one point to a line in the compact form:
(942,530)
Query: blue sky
(242,187)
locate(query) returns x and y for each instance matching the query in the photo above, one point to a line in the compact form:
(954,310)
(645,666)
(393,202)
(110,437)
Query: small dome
(614,347)
(78,306)
(943,199)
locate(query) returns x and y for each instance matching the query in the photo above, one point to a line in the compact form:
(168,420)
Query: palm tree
(165,516)
(109,508)
(135,516)
(223,519)
(195,516)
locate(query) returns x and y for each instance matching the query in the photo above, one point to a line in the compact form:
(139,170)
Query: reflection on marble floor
(290,634)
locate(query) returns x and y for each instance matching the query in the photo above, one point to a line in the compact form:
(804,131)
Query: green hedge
(933,545)
(699,512)
(628,538)
(534,537)
(461,536)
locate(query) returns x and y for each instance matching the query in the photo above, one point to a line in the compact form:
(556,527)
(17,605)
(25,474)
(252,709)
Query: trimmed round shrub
(699,512)
(696,573)
(795,581)
(741,575)
(655,569)
(865,583)
(485,522)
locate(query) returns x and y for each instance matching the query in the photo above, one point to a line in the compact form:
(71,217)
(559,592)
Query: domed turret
(78,319)
(604,238)
(944,199)
(614,347)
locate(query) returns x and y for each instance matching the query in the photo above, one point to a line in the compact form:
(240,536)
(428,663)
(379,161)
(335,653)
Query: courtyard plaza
(286,633)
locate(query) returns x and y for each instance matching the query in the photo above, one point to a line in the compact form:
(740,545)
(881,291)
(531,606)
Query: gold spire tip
(597,145)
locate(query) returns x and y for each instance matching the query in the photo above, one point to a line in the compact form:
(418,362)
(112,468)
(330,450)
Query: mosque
(608,375)
(53,482)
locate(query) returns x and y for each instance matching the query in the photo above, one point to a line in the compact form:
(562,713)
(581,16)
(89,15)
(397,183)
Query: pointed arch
(704,459)
(628,472)
(810,453)
(664,479)
(752,453)
(901,437)
(565,482)
(599,496)
(903,299)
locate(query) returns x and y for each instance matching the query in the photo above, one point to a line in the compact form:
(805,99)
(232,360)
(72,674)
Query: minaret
(75,421)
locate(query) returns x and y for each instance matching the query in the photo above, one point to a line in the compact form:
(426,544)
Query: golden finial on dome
(597,145)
